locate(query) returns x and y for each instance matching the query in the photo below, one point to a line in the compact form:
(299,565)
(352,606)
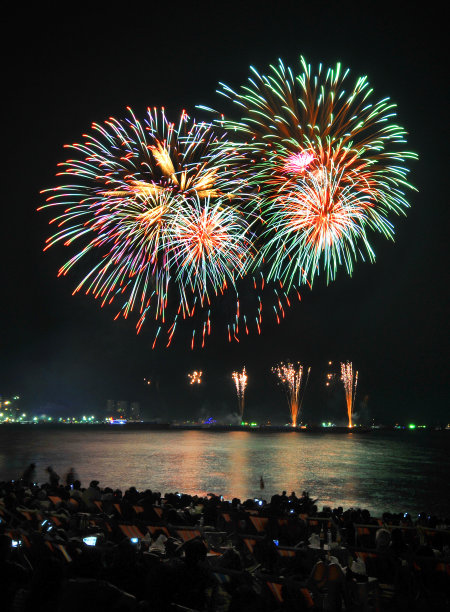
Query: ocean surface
(394,471)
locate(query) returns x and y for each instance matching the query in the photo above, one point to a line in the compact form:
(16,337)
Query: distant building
(110,408)
(135,411)
(123,409)
(117,409)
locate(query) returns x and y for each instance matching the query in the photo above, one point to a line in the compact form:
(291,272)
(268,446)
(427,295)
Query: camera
(276,542)
(15,543)
(90,540)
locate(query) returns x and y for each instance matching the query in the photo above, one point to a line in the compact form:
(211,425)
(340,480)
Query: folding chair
(131,531)
(259,523)
(154,528)
(274,586)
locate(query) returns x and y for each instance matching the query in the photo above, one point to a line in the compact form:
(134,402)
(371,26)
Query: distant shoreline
(219,428)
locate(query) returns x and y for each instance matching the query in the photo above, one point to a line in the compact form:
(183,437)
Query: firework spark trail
(328,162)
(291,378)
(210,245)
(169,216)
(157,204)
(302,394)
(240,380)
(350,383)
(322,220)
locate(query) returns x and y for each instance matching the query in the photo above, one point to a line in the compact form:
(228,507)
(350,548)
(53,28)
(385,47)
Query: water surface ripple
(396,471)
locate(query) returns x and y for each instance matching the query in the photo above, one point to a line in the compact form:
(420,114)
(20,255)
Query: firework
(291,378)
(330,377)
(240,380)
(329,164)
(210,245)
(195,378)
(152,206)
(350,382)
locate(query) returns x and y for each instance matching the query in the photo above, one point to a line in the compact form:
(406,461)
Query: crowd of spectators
(64,547)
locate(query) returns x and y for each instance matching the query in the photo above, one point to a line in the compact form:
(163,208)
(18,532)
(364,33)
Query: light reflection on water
(395,471)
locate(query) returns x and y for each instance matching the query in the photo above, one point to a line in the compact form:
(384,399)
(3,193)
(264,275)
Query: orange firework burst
(291,378)
(323,216)
(350,383)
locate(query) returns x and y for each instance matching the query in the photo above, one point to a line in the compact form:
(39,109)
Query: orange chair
(259,523)
(154,528)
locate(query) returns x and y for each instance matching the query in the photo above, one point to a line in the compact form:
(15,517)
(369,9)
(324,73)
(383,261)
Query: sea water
(381,471)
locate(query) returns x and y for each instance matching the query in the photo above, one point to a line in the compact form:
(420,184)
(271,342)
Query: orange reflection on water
(193,455)
(238,464)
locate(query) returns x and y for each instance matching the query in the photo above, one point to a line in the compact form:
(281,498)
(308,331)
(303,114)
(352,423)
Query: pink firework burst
(298,162)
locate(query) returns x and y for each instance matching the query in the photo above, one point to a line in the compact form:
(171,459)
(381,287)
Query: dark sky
(61,71)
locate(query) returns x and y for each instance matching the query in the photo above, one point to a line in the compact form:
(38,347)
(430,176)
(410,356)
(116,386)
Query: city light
(121,412)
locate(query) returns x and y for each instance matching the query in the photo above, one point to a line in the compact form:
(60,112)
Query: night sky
(63,71)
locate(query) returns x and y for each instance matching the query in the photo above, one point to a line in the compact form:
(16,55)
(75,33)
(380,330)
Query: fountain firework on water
(291,377)
(350,383)
(240,380)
